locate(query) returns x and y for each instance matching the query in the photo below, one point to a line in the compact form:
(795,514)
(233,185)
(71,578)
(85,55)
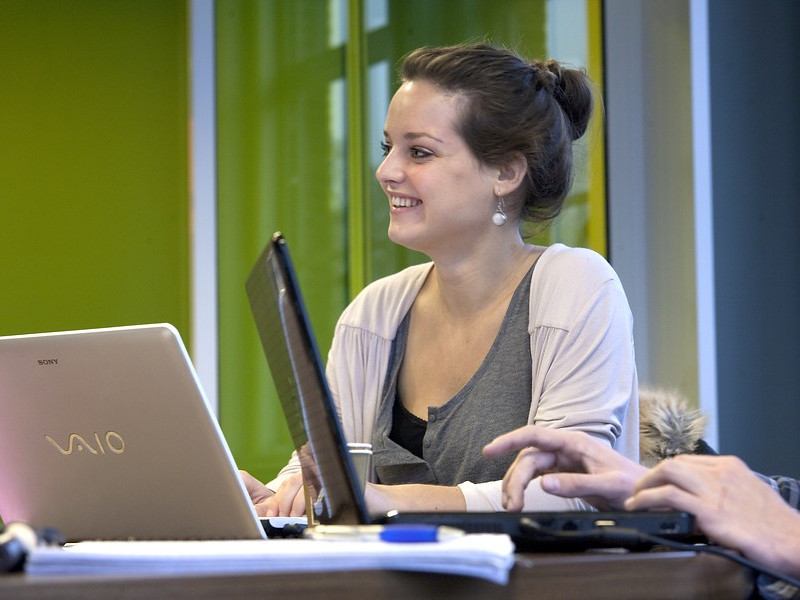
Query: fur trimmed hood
(668,427)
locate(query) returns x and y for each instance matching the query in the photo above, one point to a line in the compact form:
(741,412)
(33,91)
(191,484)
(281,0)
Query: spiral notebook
(329,474)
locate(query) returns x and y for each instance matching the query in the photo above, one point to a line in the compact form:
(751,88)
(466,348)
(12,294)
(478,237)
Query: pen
(383,533)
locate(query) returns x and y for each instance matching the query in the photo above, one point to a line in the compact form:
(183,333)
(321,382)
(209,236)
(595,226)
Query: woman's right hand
(288,501)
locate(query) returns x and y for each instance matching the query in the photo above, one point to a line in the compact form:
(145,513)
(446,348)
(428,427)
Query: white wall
(651,164)
(203,190)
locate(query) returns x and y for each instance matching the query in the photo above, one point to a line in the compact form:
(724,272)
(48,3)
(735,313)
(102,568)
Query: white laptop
(106,434)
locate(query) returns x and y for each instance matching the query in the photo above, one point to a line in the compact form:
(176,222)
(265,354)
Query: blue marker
(402,534)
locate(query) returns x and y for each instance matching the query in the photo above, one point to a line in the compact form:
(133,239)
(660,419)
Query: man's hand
(731,505)
(573,465)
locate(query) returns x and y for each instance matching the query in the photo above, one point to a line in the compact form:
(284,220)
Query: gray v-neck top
(495,400)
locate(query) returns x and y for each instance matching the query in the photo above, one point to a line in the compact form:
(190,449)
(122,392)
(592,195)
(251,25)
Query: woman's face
(439,193)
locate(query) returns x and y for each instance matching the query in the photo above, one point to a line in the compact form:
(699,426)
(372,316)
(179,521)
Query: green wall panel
(94,224)
(281,153)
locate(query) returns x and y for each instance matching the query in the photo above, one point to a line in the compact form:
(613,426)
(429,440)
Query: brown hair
(514,107)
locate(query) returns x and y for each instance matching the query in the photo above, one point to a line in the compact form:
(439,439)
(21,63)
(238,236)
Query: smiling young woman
(433,362)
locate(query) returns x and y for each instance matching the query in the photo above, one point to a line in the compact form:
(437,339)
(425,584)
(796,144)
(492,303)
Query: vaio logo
(112,442)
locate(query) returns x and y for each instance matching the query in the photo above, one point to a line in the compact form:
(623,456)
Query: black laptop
(328,472)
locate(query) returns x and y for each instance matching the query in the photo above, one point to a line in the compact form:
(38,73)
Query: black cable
(738,558)
(630,537)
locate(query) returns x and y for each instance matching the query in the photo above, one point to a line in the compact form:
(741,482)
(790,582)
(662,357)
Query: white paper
(487,556)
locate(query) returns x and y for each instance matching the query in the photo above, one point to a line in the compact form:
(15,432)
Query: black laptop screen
(294,361)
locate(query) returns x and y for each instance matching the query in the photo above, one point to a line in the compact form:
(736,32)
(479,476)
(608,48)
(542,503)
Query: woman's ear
(510,175)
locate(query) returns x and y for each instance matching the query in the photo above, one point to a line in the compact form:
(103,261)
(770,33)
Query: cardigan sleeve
(487,497)
(584,369)
(292,467)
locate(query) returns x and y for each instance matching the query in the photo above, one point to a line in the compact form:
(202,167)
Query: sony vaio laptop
(328,471)
(106,434)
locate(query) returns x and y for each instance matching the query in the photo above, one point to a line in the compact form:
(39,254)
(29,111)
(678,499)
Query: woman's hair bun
(571,89)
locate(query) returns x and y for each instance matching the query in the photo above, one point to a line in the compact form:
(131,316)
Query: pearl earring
(499,217)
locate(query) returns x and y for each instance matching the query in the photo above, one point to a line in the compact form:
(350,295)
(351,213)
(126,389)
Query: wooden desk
(582,575)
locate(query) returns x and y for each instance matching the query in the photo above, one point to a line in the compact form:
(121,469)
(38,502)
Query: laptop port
(605,523)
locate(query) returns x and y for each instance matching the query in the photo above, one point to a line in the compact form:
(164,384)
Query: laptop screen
(103,431)
(288,341)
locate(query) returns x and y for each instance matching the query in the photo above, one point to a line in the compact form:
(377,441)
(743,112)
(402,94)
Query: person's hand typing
(731,505)
(287,501)
(572,464)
